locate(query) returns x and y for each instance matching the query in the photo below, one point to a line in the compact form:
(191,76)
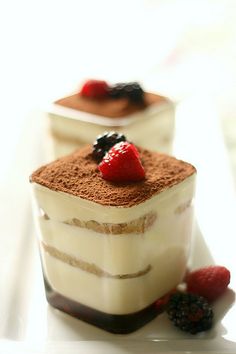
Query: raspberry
(95,89)
(104,142)
(189,312)
(209,282)
(122,164)
(131,90)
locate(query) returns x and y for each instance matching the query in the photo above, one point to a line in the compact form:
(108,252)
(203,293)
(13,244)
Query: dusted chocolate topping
(107,107)
(78,174)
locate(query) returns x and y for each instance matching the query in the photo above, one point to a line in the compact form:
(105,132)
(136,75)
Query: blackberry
(104,142)
(132,90)
(189,312)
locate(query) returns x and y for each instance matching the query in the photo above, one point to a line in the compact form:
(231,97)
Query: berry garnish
(132,90)
(122,164)
(210,282)
(95,89)
(190,312)
(104,142)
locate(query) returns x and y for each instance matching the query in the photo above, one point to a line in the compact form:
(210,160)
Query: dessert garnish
(122,164)
(132,90)
(95,89)
(209,282)
(99,89)
(104,142)
(189,312)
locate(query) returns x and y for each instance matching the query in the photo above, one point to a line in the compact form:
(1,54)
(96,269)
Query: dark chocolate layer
(122,324)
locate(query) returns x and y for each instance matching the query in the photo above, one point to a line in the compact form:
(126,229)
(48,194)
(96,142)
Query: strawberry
(122,164)
(94,89)
(209,282)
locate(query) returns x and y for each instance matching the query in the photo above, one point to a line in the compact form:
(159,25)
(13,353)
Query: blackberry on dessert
(104,142)
(132,91)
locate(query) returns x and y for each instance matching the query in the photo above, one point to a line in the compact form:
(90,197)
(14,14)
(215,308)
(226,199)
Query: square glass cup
(109,265)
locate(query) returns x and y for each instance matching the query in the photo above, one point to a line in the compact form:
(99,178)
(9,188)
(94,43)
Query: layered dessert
(146,118)
(115,230)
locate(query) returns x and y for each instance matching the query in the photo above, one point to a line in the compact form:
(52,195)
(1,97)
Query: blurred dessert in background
(144,117)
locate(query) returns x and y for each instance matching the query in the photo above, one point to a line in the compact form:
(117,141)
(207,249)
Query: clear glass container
(109,265)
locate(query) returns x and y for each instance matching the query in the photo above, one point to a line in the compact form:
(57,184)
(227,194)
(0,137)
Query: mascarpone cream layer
(61,206)
(116,296)
(126,253)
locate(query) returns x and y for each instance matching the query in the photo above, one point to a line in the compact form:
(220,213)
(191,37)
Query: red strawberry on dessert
(209,282)
(94,89)
(122,164)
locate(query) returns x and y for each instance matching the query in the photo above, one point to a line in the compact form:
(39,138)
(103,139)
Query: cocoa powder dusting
(107,107)
(78,174)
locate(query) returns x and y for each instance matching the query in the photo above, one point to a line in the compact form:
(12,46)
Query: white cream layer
(152,128)
(116,296)
(165,246)
(61,206)
(121,254)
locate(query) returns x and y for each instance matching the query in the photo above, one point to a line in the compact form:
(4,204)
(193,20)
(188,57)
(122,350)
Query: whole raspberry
(189,312)
(95,89)
(210,282)
(104,142)
(122,164)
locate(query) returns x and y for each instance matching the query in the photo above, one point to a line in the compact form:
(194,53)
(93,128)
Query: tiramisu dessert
(115,222)
(76,120)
